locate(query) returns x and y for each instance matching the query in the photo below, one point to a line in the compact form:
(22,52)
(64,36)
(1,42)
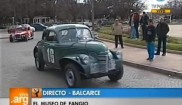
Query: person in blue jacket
(150,39)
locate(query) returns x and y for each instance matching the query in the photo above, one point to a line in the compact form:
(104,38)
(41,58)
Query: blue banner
(112,93)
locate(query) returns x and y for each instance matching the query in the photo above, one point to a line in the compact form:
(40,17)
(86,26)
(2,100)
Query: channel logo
(36,92)
(19,96)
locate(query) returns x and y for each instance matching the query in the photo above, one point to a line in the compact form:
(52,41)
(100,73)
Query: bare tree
(176,6)
(65,9)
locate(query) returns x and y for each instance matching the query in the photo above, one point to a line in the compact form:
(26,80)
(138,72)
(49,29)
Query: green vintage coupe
(74,49)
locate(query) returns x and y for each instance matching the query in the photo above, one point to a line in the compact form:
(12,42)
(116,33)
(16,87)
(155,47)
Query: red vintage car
(21,33)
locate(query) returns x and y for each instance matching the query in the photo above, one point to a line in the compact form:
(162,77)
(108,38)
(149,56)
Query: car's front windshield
(20,29)
(81,34)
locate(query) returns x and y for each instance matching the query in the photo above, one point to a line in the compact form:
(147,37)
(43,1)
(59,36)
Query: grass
(171,46)
(107,30)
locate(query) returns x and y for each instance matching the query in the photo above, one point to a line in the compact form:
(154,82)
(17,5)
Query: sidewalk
(171,64)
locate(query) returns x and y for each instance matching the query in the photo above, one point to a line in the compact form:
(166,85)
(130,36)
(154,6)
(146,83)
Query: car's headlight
(84,58)
(23,35)
(118,54)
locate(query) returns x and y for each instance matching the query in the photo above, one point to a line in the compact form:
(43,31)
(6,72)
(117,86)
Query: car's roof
(15,26)
(66,26)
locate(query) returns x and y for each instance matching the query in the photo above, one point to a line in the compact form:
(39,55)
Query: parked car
(39,27)
(27,25)
(74,49)
(21,33)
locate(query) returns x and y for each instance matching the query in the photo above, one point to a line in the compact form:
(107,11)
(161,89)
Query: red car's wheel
(26,38)
(32,35)
(11,39)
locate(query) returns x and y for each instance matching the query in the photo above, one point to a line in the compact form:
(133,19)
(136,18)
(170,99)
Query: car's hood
(19,32)
(97,47)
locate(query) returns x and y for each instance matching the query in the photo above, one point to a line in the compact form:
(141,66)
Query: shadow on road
(55,78)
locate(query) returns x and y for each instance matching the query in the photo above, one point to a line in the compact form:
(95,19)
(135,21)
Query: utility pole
(93,28)
(14,15)
(55,11)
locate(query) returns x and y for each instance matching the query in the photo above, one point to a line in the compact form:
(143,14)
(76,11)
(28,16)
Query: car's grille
(102,57)
(101,66)
(17,36)
(104,64)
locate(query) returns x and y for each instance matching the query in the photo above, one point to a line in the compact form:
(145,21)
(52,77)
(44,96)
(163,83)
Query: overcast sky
(148,3)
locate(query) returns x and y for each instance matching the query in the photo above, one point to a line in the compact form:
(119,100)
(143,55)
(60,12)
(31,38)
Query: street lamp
(92,1)
(55,11)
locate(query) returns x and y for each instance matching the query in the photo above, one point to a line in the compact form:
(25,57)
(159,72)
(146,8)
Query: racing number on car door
(50,55)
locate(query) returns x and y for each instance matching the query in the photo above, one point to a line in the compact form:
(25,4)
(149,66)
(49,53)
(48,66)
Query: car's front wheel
(72,75)
(11,39)
(39,62)
(26,38)
(32,35)
(116,76)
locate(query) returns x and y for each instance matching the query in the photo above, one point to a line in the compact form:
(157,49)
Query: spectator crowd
(149,33)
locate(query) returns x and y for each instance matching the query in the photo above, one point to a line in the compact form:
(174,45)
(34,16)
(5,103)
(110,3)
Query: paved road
(18,70)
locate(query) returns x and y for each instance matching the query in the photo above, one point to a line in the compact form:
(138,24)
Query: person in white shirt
(117,29)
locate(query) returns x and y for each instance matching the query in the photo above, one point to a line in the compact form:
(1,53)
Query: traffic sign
(161,11)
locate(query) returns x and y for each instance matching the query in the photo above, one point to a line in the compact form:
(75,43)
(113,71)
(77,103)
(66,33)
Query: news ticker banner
(85,96)
(98,101)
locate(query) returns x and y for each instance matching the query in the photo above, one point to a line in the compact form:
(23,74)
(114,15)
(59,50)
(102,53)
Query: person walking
(144,22)
(117,29)
(136,23)
(162,29)
(150,39)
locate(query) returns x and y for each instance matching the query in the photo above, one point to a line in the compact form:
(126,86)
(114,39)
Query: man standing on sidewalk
(117,29)
(144,22)
(136,23)
(133,30)
(150,39)
(162,30)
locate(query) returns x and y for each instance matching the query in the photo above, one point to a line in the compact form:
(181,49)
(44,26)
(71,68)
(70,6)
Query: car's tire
(32,35)
(11,39)
(116,76)
(39,62)
(26,38)
(72,75)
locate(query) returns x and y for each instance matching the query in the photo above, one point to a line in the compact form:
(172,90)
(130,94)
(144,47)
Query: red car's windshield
(20,29)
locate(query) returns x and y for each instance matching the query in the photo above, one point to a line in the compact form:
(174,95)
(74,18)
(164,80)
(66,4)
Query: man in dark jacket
(150,39)
(144,22)
(136,23)
(162,29)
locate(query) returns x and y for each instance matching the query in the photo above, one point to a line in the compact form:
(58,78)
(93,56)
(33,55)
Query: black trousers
(163,42)
(144,27)
(120,38)
(136,25)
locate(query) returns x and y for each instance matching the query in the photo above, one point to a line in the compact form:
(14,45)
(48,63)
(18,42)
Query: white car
(27,25)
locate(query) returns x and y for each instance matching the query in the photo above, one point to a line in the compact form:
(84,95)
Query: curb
(142,47)
(149,68)
(154,69)
(4,37)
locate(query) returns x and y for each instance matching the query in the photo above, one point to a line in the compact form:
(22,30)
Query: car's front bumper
(19,37)
(98,69)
